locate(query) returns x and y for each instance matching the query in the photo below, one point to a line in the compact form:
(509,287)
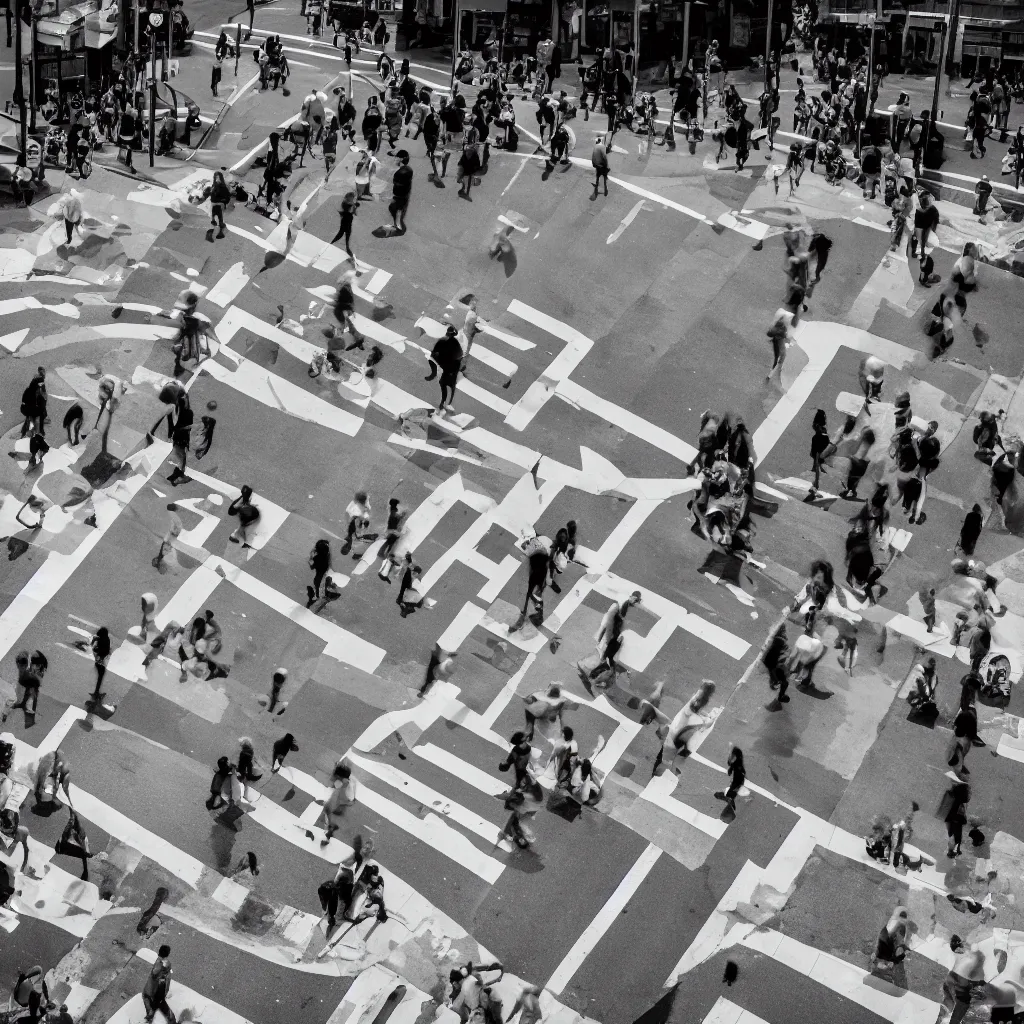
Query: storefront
(74,51)
(922,40)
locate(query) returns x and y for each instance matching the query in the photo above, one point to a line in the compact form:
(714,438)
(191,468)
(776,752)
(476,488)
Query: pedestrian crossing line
(726,1012)
(427,515)
(431,798)
(434,329)
(181,999)
(619,416)
(506,336)
(540,392)
(507,693)
(659,792)
(51,894)
(267,388)
(418,444)
(454,765)
(233,280)
(109,502)
(865,989)
(604,919)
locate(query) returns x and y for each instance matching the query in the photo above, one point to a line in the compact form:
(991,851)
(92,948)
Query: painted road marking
(625,222)
(50,577)
(659,792)
(867,990)
(431,798)
(606,916)
(726,1012)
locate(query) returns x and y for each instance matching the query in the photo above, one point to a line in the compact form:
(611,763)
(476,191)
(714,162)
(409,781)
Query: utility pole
(165,66)
(19,85)
(34,16)
(943,28)
(768,49)
(238,45)
(954,26)
(155,21)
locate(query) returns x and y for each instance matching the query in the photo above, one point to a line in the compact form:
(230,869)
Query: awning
(67,29)
(101,27)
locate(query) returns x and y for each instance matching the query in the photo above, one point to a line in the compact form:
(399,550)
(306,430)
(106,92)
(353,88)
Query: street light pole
(19,84)
(155,20)
(768,49)
(32,71)
(934,115)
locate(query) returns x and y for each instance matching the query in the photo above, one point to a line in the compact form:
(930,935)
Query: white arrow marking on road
(625,222)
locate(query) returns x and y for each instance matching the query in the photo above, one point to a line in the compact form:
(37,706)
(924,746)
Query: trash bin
(934,156)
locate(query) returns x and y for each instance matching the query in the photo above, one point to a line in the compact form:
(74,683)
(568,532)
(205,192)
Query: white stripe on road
(510,339)
(625,222)
(434,329)
(431,798)
(867,990)
(231,283)
(461,769)
(605,918)
(179,863)
(726,1012)
(659,792)
(539,393)
(628,421)
(56,570)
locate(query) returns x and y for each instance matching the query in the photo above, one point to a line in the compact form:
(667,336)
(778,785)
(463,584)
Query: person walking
(891,946)
(100,644)
(320,563)
(393,531)
(774,660)
(599,160)
(174,528)
(737,776)
(440,666)
(154,995)
(401,189)
(971,530)
(281,749)
(248,514)
(926,220)
(75,843)
(338,800)
(277,681)
(30,680)
(220,196)
(609,634)
(447,356)
(70,205)
(956,799)
(33,405)
(347,214)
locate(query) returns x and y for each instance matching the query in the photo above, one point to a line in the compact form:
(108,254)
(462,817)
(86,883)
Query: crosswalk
(443,798)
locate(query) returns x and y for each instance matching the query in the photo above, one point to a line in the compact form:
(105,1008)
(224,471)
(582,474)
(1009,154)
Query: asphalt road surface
(611,325)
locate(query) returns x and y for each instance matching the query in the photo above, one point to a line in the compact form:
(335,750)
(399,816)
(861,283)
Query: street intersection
(615,326)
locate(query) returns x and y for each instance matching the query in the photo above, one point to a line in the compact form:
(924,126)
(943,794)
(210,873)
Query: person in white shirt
(677,731)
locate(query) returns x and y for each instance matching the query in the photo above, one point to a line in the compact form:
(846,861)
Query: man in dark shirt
(401,189)
(926,220)
(446,355)
(871,168)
